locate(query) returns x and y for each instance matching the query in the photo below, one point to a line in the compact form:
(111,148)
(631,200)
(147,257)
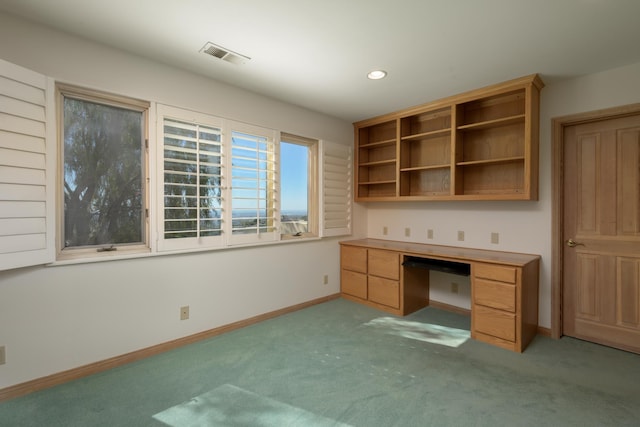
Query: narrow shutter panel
(27,166)
(336,189)
(254,216)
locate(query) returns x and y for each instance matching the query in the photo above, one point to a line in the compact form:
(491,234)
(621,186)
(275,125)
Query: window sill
(85,257)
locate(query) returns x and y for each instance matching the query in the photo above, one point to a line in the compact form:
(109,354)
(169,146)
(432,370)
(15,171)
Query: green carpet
(342,363)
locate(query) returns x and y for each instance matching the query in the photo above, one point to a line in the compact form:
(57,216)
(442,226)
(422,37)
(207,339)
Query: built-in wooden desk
(393,276)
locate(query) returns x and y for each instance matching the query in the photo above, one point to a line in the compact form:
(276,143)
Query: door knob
(572,243)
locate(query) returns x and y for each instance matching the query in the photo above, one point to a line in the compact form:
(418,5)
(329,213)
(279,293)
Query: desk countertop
(452,253)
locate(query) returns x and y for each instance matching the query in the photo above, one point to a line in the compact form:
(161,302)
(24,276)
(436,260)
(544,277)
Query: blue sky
(293,158)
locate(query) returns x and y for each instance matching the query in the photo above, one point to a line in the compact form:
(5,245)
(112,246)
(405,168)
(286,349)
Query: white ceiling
(317,54)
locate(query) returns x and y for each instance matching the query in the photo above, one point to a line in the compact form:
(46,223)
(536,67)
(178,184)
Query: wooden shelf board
(378,163)
(493,123)
(421,168)
(440,132)
(491,161)
(444,195)
(378,143)
(377,198)
(377,182)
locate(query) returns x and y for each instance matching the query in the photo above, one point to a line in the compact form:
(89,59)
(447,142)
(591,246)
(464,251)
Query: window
(298,186)
(103,171)
(225,183)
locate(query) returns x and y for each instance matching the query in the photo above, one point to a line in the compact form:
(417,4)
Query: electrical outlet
(325,279)
(460,236)
(184,312)
(385,230)
(3,355)
(454,287)
(407,232)
(495,238)
(429,234)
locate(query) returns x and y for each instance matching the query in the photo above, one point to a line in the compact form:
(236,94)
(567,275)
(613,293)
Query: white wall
(57,318)
(60,317)
(522,226)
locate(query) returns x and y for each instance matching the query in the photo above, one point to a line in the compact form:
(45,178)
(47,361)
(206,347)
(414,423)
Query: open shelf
(428,182)
(492,108)
(380,189)
(378,133)
(496,178)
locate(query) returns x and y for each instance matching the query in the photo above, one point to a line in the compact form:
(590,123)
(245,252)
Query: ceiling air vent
(224,54)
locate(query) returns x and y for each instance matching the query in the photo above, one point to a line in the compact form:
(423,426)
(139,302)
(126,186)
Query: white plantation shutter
(27,158)
(253,202)
(336,189)
(190,170)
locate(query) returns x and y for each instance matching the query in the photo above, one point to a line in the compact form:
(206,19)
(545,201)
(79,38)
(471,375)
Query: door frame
(558,124)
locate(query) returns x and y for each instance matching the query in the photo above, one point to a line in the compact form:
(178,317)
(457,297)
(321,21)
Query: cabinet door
(353,258)
(384,291)
(353,283)
(384,264)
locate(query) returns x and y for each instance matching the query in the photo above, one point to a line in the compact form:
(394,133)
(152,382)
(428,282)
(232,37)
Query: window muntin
(103,170)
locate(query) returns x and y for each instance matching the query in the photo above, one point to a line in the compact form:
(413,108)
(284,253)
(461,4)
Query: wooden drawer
(493,322)
(353,283)
(384,291)
(494,294)
(495,272)
(384,264)
(354,259)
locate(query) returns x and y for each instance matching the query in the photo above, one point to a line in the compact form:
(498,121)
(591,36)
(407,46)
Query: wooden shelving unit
(376,151)
(481,145)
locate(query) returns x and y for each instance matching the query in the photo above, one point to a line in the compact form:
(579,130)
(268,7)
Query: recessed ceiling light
(377,74)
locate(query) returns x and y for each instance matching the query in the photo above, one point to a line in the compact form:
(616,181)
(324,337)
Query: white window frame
(313,180)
